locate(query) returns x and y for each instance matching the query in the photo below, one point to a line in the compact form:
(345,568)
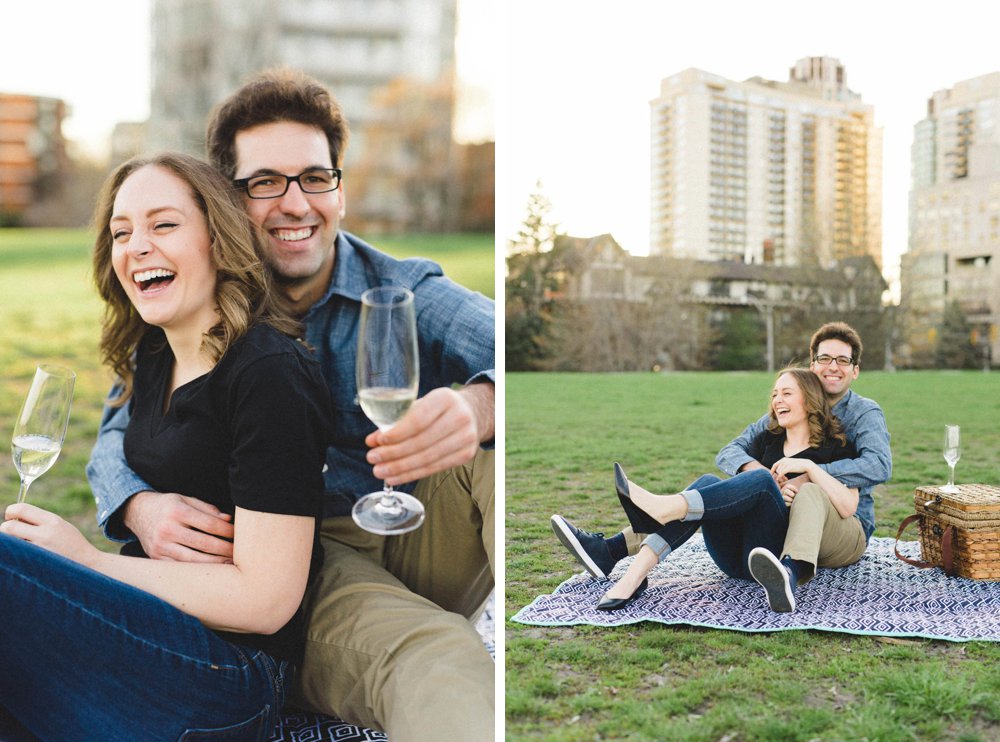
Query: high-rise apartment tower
(765,171)
(954,243)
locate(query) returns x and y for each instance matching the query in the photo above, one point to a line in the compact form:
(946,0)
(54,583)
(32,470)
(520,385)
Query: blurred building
(128,139)
(761,171)
(33,160)
(954,242)
(204,49)
(670,309)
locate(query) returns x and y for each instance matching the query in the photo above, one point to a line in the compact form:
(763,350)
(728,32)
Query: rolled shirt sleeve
(736,453)
(111,480)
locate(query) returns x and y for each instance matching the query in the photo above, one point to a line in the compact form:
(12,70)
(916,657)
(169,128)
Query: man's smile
(286,234)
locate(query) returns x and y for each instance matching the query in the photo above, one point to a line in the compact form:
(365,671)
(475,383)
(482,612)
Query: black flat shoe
(639,519)
(616,604)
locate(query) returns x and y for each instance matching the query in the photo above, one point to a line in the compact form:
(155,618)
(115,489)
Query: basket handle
(946,556)
(947,561)
(902,527)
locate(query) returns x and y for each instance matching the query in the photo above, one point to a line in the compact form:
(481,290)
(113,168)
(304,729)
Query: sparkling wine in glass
(41,426)
(952,453)
(387,377)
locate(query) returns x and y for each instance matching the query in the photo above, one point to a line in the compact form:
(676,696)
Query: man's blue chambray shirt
(456,338)
(864,425)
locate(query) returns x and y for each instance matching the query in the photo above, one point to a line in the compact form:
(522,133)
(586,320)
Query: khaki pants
(389,643)
(817,533)
(633,540)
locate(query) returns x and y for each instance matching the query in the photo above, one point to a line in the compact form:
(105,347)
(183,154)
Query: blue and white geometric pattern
(307,727)
(878,595)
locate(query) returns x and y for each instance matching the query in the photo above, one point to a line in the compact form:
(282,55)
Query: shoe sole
(774,579)
(565,535)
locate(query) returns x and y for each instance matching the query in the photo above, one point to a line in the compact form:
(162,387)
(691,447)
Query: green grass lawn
(466,258)
(49,312)
(653,682)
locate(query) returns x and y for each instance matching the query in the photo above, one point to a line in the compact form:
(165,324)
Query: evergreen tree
(531,279)
(739,343)
(954,347)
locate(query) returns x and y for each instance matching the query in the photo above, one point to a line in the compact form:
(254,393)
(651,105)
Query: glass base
(388,513)
(951,489)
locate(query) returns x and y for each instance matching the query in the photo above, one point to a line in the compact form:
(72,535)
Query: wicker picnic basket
(959,532)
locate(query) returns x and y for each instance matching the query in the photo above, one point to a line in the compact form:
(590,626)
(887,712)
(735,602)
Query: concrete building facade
(765,172)
(204,49)
(954,222)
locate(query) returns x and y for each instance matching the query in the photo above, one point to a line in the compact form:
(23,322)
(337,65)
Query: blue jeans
(739,514)
(85,657)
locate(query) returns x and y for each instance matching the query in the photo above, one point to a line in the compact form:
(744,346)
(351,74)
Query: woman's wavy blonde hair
(243,292)
(823,424)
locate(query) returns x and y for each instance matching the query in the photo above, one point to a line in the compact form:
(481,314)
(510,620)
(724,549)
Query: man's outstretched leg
(597,554)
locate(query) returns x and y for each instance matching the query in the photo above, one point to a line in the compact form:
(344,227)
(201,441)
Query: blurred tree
(531,283)
(476,184)
(70,202)
(407,180)
(738,342)
(954,345)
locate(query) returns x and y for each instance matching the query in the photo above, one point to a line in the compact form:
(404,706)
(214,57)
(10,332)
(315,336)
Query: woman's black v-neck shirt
(251,433)
(768,448)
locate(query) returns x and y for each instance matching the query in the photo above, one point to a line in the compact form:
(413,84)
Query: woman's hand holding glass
(47,530)
(41,425)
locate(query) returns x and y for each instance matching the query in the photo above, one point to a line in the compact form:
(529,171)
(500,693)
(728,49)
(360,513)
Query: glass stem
(23,491)
(389,501)
(951,477)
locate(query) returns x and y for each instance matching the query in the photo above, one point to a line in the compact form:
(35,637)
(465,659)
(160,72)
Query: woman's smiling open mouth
(152,279)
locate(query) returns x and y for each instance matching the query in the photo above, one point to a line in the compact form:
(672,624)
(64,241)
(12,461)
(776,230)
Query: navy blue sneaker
(775,578)
(590,549)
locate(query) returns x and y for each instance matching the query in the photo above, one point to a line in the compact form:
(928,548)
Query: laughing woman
(226,407)
(745,519)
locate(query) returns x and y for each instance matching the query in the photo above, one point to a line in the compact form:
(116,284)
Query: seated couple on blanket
(799,498)
(232,452)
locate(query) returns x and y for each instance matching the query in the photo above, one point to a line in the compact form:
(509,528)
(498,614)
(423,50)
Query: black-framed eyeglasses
(275,185)
(825,360)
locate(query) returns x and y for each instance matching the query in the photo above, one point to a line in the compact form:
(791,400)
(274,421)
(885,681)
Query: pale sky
(578,76)
(95,56)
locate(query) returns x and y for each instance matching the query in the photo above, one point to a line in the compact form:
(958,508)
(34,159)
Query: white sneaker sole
(565,535)
(774,578)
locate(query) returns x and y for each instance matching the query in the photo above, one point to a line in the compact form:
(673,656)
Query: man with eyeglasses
(391,642)
(835,353)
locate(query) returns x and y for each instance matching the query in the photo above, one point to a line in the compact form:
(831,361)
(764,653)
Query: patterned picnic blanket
(879,595)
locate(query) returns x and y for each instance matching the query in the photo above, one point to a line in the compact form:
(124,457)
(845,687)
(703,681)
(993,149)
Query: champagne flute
(952,453)
(41,425)
(387,377)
